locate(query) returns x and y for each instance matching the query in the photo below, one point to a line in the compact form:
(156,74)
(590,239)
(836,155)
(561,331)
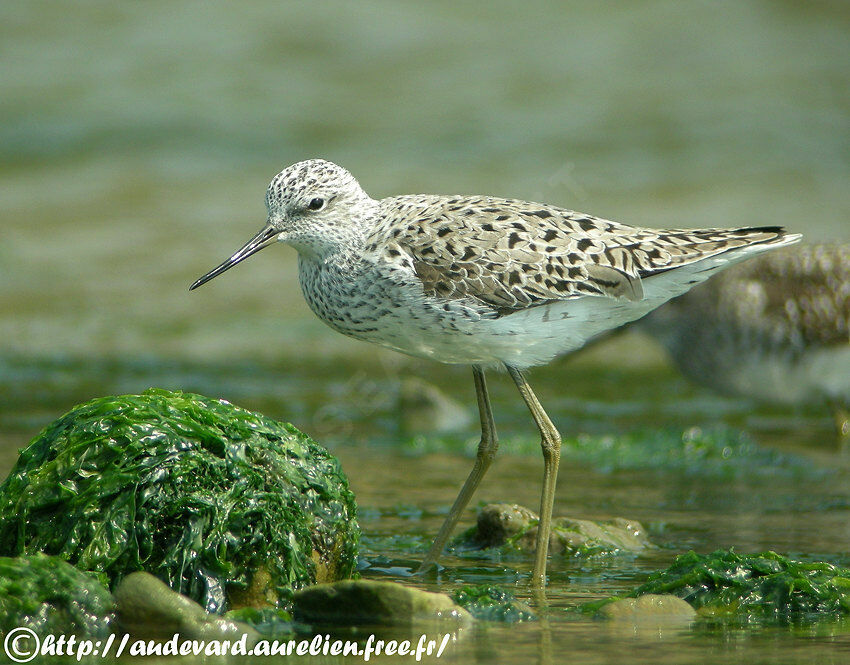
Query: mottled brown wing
(513,254)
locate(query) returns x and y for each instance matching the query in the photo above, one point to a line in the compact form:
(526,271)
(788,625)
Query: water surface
(136,141)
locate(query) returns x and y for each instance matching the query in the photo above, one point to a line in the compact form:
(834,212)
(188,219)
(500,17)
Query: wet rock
(514,527)
(650,608)
(148,609)
(368,602)
(585,537)
(50,596)
(232,508)
(764,587)
(500,522)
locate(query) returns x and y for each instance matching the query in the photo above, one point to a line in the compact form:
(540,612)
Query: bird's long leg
(551,444)
(486,453)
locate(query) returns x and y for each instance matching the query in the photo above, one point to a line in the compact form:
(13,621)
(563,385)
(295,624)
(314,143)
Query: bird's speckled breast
(349,303)
(384,305)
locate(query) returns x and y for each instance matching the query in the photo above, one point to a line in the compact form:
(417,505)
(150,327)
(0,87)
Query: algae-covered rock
(221,503)
(368,602)
(490,603)
(588,538)
(147,608)
(497,524)
(765,586)
(651,608)
(50,596)
(509,526)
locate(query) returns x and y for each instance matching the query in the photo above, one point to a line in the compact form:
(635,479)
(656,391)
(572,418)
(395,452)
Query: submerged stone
(50,596)
(368,602)
(588,538)
(651,608)
(499,523)
(757,587)
(509,526)
(227,506)
(490,603)
(148,609)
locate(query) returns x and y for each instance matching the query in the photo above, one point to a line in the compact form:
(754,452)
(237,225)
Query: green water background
(136,141)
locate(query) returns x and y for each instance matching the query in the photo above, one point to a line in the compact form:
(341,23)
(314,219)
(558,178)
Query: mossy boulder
(50,596)
(757,587)
(497,524)
(512,527)
(224,505)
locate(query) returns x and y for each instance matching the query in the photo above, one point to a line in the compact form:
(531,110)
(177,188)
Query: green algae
(513,528)
(713,452)
(766,587)
(50,596)
(215,500)
(716,451)
(490,603)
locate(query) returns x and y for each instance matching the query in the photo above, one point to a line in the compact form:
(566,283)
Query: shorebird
(776,329)
(483,281)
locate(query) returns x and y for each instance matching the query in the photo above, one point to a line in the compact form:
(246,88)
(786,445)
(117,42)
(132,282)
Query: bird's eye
(316,204)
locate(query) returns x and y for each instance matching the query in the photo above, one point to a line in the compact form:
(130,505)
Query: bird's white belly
(523,339)
(392,310)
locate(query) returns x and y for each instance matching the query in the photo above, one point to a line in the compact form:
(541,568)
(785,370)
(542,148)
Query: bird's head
(314,206)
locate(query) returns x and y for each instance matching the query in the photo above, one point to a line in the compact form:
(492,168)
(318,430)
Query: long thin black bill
(267,236)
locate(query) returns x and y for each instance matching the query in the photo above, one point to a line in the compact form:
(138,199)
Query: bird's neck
(344,252)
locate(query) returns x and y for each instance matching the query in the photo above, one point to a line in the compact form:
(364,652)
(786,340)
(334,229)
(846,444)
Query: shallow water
(404,484)
(136,141)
